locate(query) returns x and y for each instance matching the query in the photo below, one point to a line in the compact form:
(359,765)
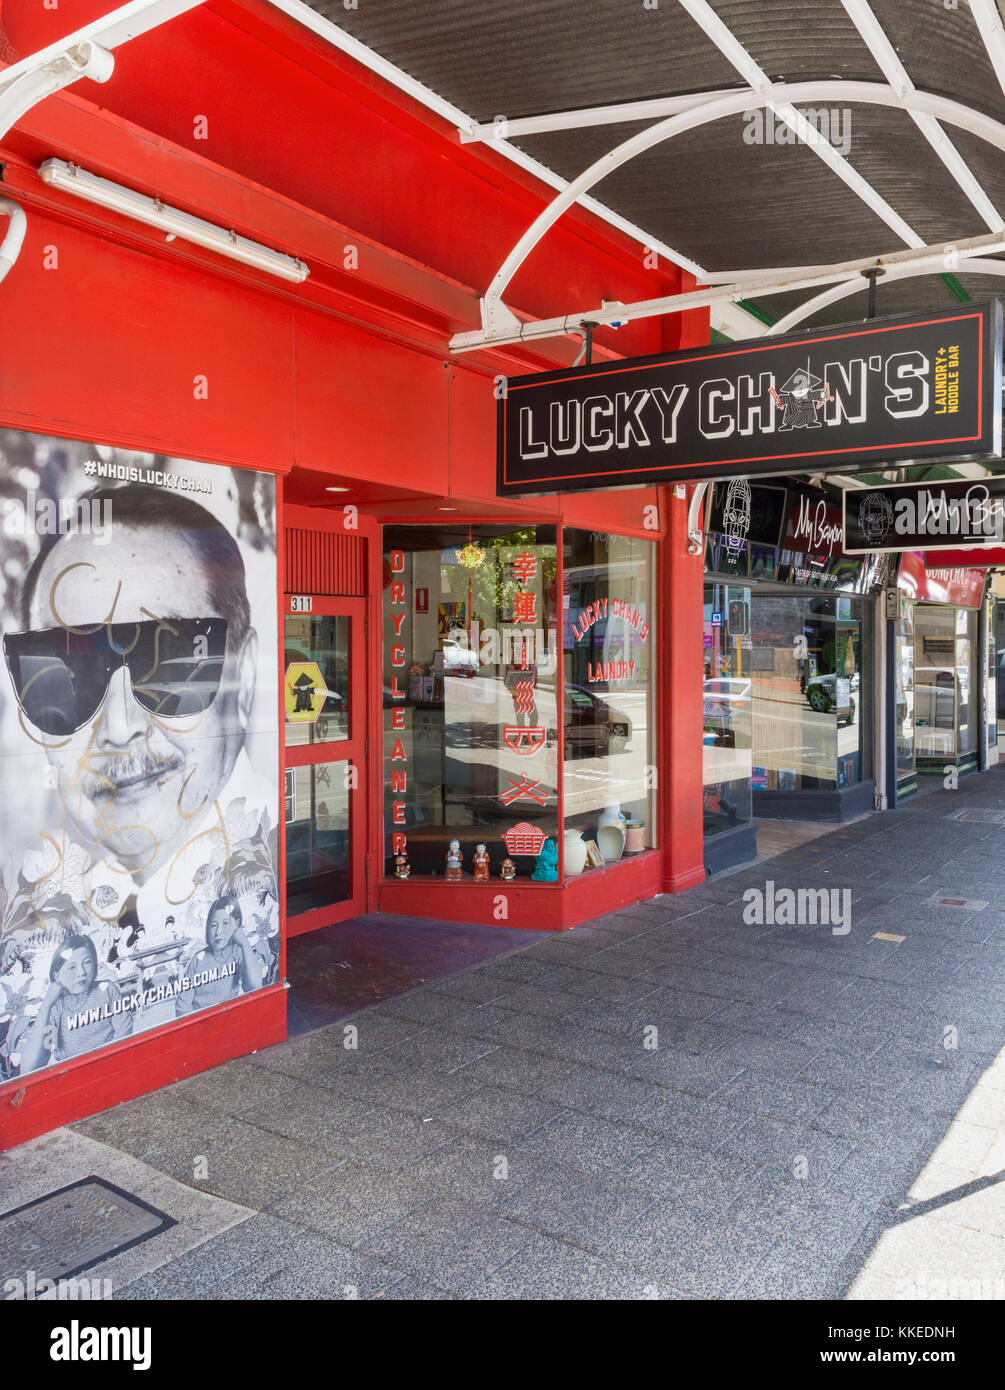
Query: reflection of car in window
(823,693)
(189,686)
(457,659)
(726,697)
(592,725)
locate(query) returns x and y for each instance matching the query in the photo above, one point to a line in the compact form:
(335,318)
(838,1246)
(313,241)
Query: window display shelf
(529,905)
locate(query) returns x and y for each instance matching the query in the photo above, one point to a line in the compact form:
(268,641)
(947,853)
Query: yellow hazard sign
(304,692)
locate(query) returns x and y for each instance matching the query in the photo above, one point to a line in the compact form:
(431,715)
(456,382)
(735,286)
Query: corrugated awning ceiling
(733,194)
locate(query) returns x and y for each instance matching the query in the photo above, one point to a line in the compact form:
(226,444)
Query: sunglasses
(61,677)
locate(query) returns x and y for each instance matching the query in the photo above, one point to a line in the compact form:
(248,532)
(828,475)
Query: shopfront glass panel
(470,662)
(945,681)
(849,693)
(990,679)
(998,659)
(968,675)
(807,691)
(727,769)
(314,641)
(904,691)
(608,647)
(318,862)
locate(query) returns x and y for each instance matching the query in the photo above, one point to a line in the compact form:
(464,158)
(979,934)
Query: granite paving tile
(533,999)
(687,1119)
(549,1269)
(698,1076)
(789,1273)
(413,1290)
(692,1180)
(139,1125)
(474,1169)
(310,1267)
(454,1244)
(216,1259)
(498,1113)
(584,1209)
(350,1202)
(586,1142)
(418,1090)
(762,1093)
(391,1140)
(709,1263)
(779,1147)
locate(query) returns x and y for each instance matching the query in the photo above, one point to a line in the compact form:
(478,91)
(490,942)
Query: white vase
(611,831)
(574,851)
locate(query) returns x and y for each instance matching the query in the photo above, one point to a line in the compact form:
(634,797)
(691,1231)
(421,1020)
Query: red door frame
(352,750)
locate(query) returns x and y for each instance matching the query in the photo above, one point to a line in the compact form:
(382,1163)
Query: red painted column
(680,764)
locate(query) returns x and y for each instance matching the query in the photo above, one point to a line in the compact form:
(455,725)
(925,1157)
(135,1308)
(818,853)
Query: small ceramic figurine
(507,869)
(546,868)
(454,861)
(401,869)
(481,864)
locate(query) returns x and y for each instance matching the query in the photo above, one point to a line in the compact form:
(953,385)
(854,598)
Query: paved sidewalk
(802,1130)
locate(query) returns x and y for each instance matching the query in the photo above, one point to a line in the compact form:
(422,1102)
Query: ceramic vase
(574,850)
(611,834)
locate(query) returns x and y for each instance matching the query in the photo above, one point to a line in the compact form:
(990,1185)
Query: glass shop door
(325,750)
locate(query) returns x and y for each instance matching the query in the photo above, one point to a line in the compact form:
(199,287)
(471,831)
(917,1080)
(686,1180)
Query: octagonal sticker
(304,692)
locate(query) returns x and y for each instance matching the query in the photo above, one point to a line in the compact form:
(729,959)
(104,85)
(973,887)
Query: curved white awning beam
(780,96)
(10,247)
(84,53)
(935,259)
(976,266)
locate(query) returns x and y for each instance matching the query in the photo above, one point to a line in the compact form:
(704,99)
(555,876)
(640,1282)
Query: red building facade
(544,691)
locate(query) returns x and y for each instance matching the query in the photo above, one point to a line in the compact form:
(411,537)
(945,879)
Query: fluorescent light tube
(172,221)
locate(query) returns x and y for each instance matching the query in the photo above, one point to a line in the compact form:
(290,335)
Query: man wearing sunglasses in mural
(136,675)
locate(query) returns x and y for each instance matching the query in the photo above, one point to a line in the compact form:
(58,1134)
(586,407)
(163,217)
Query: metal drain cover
(69,1230)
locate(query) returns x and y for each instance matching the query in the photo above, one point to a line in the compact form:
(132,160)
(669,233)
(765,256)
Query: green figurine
(546,868)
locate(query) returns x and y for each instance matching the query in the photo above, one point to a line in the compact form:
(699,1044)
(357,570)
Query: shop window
(608,646)
(998,659)
(323,641)
(990,681)
(808,689)
(904,693)
(470,693)
(945,681)
(318,809)
(728,772)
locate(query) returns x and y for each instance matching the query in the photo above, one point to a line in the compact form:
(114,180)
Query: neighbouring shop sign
(813,525)
(986,557)
(912,387)
(924,516)
(955,585)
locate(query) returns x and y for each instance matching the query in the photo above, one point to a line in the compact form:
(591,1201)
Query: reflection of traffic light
(737,623)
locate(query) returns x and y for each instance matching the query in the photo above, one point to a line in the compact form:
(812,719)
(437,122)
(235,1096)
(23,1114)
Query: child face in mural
(136,783)
(76,974)
(220,929)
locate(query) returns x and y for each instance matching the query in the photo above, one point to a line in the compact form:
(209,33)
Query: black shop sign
(925,516)
(913,387)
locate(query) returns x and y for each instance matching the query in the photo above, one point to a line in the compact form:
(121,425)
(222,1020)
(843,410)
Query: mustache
(114,770)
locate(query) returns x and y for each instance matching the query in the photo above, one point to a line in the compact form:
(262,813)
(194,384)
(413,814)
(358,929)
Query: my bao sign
(911,387)
(924,516)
